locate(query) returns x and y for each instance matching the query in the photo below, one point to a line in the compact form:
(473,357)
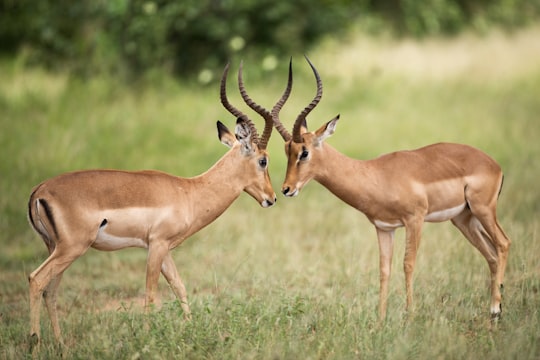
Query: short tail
(501,186)
(40,216)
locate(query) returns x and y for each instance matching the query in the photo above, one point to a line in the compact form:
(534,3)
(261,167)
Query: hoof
(33,342)
(496,315)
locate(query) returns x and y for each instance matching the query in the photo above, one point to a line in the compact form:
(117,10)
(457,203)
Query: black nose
(285,191)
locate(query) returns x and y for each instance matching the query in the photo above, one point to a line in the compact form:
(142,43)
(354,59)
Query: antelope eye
(304,155)
(263,162)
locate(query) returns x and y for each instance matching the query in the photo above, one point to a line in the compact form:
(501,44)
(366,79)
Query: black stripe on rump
(49,214)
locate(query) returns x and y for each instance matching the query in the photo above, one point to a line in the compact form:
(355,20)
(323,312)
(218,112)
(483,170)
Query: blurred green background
(187,37)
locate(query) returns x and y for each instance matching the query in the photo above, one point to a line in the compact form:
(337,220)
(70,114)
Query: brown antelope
(112,209)
(435,183)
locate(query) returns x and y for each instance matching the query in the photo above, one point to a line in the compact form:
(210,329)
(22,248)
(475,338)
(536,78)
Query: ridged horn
(302,117)
(269,124)
(237,113)
(277,108)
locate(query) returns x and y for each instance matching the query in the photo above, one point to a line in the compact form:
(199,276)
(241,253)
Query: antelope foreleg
(386,249)
(412,242)
(156,255)
(169,271)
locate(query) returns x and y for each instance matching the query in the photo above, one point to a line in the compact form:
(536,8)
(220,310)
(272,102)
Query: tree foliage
(183,37)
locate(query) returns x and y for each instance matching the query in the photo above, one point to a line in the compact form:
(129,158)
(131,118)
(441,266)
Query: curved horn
(232,109)
(302,117)
(269,124)
(277,108)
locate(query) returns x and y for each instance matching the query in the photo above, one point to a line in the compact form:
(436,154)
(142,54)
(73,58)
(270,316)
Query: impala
(435,183)
(112,209)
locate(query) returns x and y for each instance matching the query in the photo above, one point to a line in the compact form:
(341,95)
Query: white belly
(387,226)
(108,242)
(129,227)
(443,215)
(436,216)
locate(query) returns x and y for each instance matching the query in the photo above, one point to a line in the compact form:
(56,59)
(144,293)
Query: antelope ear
(243,135)
(225,136)
(325,131)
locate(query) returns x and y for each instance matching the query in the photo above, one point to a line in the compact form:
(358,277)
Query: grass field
(298,280)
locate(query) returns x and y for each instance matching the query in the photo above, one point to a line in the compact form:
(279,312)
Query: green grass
(299,280)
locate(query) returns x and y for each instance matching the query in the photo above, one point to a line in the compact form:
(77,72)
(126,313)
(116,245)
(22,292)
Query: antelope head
(250,144)
(303,148)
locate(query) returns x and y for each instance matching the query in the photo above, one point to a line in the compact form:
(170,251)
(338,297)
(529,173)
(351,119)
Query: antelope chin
(294,193)
(267,203)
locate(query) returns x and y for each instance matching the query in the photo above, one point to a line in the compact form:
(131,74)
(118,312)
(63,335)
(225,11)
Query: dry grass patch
(492,57)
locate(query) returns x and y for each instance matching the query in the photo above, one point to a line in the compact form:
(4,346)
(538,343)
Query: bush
(185,36)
